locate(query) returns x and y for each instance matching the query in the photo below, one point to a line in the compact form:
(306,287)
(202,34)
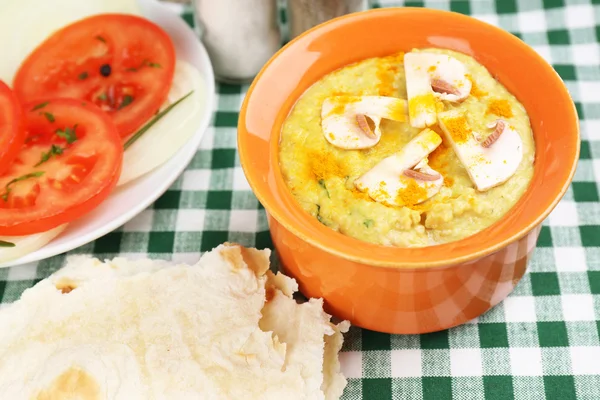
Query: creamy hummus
(321,176)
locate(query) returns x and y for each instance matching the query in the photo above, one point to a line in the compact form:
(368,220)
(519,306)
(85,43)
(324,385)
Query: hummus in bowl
(416,288)
(322,172)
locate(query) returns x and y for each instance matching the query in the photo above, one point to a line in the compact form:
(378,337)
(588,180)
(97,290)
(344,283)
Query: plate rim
(184,154)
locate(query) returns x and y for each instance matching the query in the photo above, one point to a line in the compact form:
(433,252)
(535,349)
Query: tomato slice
(70,162)
(122,63)
(12,127)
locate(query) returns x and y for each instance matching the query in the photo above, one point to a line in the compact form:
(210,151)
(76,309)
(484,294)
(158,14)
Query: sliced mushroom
(345,119)
(363,124)
(493,137)
(490,162)
(421,176)
(440,86)
(388,181)
(429,77)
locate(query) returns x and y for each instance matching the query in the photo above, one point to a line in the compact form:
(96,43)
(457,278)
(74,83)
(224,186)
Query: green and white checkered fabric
(542,342)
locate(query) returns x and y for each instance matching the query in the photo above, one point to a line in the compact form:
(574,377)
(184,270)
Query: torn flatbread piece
(225,328)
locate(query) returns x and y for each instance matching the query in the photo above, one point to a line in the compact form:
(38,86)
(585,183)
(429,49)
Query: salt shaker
(305,14)
(240,35)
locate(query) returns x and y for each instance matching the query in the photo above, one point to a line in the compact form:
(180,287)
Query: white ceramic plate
(128,201)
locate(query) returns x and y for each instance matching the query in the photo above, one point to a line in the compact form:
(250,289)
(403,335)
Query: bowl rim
(485,249)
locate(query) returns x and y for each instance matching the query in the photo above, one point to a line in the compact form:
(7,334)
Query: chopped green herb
(127,100)
(49,116)
(41,105)
(102,97)
(83,75)
(45,157)
(68,134)
(131,69)
(368,223)
(149,124)
(100,38)
(6,244)
(152,64)
(54,151)
(8,188)
(319,218)
(322,184)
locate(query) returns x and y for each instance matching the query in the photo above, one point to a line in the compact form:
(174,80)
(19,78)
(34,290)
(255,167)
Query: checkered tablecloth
(541,342)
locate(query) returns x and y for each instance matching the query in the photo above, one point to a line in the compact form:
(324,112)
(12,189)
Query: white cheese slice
(385,182)
(339,119)
(487,166)
(430,76)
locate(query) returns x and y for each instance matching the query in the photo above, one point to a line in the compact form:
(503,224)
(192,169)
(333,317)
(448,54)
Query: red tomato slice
(70,162)
(12,127)
(122,63)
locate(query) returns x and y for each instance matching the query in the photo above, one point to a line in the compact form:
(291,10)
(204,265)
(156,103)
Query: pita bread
(226,328)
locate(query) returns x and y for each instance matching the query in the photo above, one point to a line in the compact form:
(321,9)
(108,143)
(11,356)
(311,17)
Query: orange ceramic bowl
(407,290)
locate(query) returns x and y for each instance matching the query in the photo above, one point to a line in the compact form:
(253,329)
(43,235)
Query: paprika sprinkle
(500,107)
(324,166)
(411,194)
(458,128)
(476,90)
(341,102)
(387,71)
(439,161)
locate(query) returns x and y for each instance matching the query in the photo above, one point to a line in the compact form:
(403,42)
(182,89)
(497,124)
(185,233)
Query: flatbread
(226,328)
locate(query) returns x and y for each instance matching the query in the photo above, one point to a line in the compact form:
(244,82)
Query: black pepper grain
(105,70)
